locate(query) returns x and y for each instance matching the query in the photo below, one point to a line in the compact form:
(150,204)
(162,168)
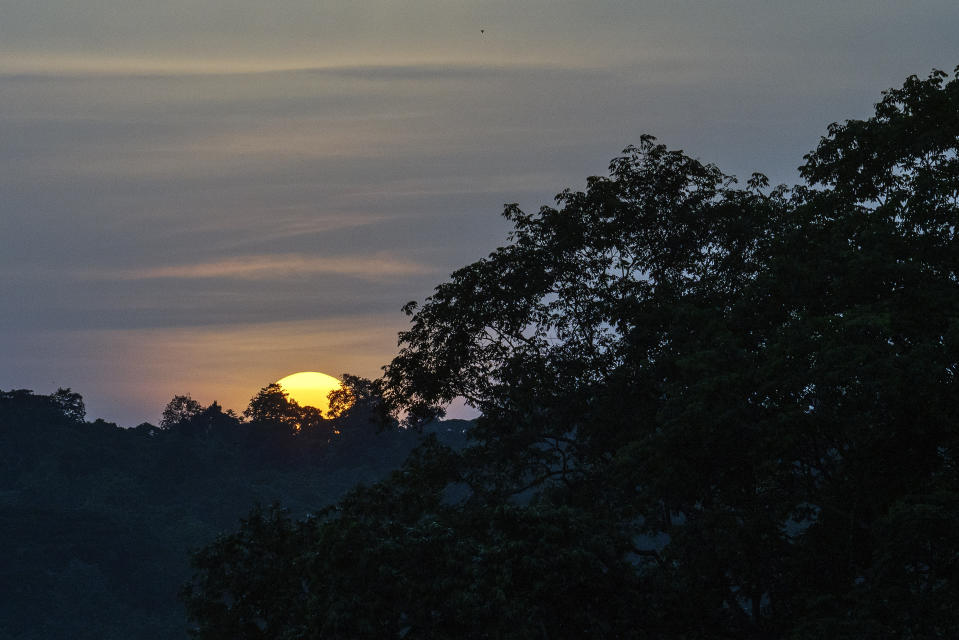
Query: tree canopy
(97,521)
(181,408)
(708,410)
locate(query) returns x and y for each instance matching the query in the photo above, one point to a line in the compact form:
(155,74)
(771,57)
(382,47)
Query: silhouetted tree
(708,411)
(70,403)
(273,405)
(179,409)
(214,420)
(359,398)
(344,398)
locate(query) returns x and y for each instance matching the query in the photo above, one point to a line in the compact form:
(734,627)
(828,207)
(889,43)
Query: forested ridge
(710,409)
(97,521)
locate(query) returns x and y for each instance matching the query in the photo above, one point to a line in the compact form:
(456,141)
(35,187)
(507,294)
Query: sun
(310,388)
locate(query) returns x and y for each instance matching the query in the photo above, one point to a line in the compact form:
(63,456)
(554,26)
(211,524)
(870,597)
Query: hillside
(97,521)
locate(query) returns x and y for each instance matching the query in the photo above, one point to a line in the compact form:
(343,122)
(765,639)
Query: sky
(203,196)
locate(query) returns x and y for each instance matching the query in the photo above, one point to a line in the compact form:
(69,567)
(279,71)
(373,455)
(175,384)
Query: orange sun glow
(310,388)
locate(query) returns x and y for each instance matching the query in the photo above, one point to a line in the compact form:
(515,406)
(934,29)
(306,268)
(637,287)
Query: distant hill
(97,521)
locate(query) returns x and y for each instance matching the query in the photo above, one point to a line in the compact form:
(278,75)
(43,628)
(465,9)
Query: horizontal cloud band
(265,267)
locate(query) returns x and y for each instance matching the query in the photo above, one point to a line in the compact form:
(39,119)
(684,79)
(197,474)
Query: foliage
(357,395)
(273,404)
(273,407)
(96,521)
(708,411)
(70,403)
(179,409)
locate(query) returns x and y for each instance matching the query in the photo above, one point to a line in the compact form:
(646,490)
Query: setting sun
(310,388)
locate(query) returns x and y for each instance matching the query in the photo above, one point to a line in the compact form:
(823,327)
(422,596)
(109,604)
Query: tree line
(97,521)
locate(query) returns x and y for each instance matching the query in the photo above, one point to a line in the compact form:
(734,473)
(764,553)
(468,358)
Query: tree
(63,404)
(748,393)
(70,403)
(358,396)
(272,404)
(179,409)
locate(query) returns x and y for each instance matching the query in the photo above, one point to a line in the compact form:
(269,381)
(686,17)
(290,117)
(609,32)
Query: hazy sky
(203,196)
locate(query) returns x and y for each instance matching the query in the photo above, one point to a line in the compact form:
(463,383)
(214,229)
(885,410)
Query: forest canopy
(97,521)
(709,409)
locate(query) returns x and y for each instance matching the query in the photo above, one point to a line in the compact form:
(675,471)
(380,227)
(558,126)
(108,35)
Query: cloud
(267,267)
